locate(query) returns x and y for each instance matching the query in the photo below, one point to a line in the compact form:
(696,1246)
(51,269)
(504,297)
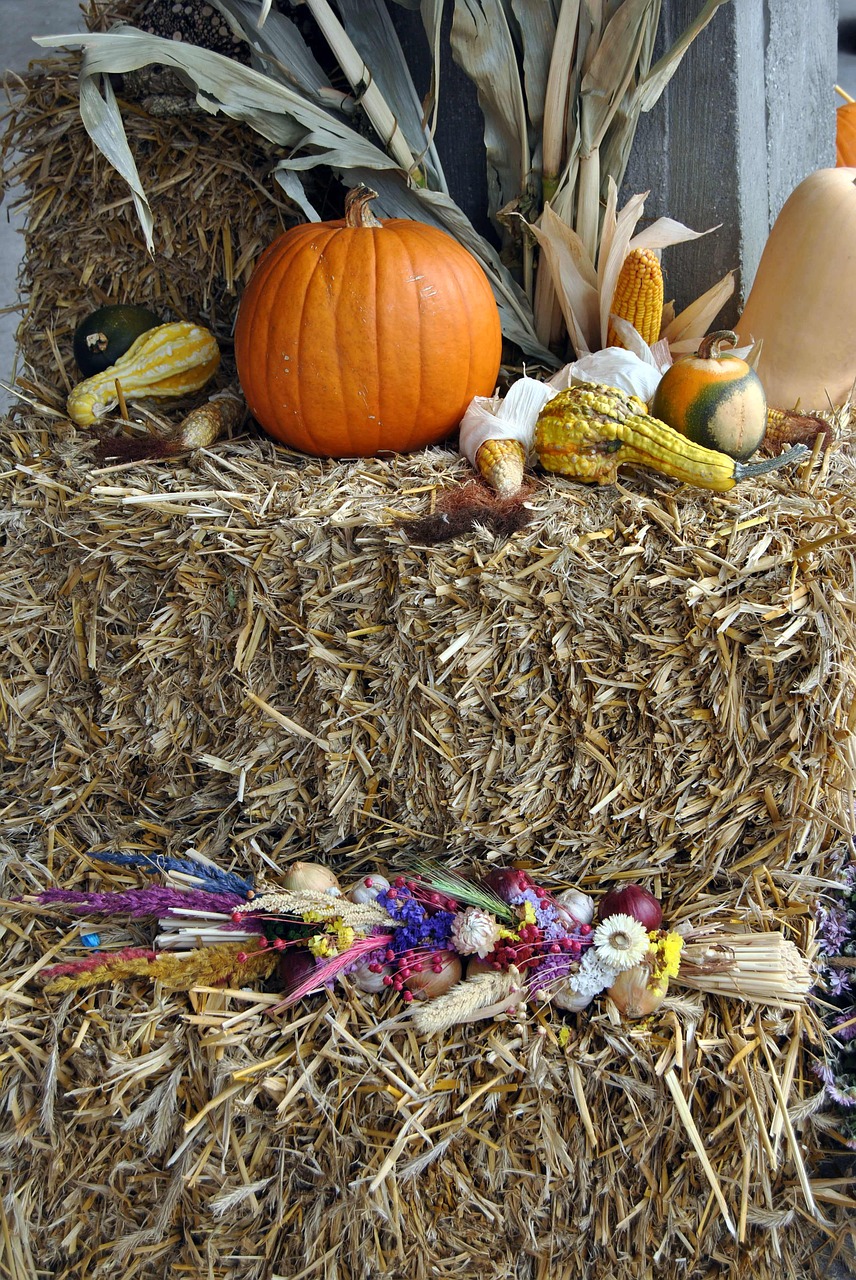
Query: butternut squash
(802,303)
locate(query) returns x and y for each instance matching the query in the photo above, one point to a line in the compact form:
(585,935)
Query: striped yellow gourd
(170,360)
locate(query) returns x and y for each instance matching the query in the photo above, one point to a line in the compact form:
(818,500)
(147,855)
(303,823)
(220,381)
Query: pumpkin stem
(710,347)
(357,211)
(749,470)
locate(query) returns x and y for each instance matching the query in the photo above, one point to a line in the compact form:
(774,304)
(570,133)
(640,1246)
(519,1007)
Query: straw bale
(241,650)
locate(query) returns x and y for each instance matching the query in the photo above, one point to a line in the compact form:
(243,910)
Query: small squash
(359,335)
(104,336)
(714,399)
(802,304)
(170,360)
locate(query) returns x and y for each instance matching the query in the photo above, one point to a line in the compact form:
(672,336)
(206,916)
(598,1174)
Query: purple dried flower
(834,928)
(842,1092)
(845,1029)
(549,970)
(154,900)
(838,982)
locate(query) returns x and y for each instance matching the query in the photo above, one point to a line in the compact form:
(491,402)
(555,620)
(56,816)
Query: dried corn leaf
(483,46)
(611,69)
(691,324)
(368,24)
(537,25)
(574,277)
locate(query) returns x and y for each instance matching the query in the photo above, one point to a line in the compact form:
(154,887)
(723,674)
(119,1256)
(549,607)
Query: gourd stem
(749,470)
(357,211)
(710,347)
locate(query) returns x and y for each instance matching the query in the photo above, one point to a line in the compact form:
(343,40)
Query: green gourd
(107,334)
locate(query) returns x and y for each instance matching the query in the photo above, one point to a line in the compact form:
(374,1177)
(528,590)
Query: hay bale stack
(245,651)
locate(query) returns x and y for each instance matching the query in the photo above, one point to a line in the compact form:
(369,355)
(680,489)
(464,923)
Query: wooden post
(750,112)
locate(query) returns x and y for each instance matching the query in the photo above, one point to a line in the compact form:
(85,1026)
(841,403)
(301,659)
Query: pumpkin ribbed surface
(845,135)
(352,340)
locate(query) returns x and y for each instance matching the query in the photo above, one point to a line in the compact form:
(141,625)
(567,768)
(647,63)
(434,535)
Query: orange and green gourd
(714,399)
(364,335)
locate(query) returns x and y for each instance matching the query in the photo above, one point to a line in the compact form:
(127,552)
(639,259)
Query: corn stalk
(561,85)
(602,54)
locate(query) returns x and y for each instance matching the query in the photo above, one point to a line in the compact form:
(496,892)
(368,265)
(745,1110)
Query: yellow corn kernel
(590,430)
(169,360)
(501,463)
(638,296)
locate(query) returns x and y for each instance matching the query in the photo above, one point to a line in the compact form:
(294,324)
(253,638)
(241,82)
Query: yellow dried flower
(666,956)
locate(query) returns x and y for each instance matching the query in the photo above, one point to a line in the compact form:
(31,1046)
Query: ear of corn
(786,427)
(638,296)
(169,360)
(590,430)
(501,464)
(209,421)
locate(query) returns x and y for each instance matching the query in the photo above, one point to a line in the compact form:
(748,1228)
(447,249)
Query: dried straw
(239,649)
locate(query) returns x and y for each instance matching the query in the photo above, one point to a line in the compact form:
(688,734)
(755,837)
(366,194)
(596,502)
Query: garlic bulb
(564,996)
(366,979)
(367,889)
(579,906)
(312,876)
(634,996)
(436,977)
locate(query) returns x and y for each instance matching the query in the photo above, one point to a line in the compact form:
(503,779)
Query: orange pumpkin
(359,336)
(845,135)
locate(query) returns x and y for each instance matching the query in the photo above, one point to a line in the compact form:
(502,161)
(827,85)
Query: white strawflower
(475,932)
(621,942)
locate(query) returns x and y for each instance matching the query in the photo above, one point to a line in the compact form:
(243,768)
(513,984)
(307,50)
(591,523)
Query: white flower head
(475,932)
(593,975)
(621,942)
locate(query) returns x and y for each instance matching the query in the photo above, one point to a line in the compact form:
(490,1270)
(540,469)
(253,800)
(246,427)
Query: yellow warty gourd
(590,430)
(638,296)
(170,360)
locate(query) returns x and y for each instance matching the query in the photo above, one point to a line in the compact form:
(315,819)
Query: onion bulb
(431,981)
(476,965)
(633,994)
(311,876)
(507,882)
(367,889)
(632,900)
(294,966)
